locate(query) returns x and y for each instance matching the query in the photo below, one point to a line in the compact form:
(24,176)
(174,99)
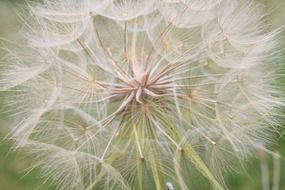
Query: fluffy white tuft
(142,94)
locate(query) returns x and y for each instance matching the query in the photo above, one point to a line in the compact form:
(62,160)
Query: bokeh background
(13,168)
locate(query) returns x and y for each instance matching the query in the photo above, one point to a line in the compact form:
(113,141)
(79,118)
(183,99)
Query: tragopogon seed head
(141,94)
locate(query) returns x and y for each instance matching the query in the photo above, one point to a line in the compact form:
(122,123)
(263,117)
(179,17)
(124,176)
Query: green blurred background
(15,176)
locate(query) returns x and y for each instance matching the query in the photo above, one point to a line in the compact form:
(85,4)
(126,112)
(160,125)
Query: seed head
(141,94)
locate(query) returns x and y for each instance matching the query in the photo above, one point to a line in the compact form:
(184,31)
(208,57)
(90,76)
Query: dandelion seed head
(119,94)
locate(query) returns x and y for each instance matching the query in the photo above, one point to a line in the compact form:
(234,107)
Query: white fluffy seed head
(142,94)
